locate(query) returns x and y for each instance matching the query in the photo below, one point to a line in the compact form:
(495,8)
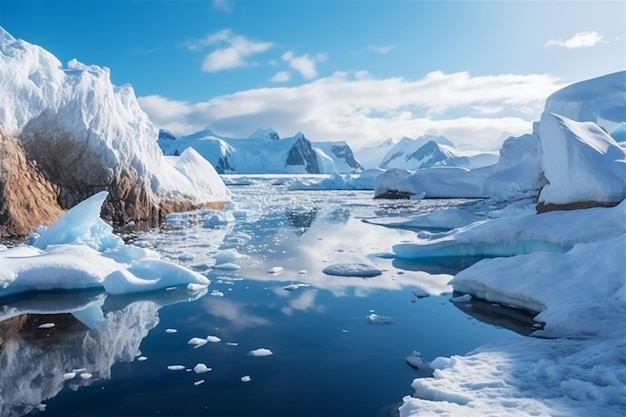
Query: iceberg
(80,251)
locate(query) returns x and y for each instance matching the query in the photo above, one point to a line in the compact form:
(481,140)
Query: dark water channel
(327,358)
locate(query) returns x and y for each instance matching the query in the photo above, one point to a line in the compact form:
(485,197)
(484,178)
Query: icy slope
(87,134)
(582,163)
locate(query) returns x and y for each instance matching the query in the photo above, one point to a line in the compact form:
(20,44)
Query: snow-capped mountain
(87,135)
(264,152)
(371,156)
(341,154)
(429,151)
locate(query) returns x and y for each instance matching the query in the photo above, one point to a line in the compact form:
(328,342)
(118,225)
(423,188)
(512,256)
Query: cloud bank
(579,40)
(364,110)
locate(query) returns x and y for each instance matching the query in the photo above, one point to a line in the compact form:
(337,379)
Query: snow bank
(80,251)
(582,163)
(509,236)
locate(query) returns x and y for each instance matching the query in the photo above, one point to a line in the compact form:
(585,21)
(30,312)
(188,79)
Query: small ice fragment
(201,368)
(344,331)
(227,267)
(376,319)
(213,339)
(41,407)
(290,287)
(232,344)
(69,375)
(170,288)
(216,293)
(196,342)
(85,375)
(199,382)
(79,370)
(192,286)
(303,272)
(46,326)
(260,352)
(246,378)
(415,360)
(420,293)
(275,270)
(462,298)
(142,358)
(171,330)
(175,367)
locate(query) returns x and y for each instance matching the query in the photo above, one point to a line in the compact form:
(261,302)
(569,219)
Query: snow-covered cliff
(87,135)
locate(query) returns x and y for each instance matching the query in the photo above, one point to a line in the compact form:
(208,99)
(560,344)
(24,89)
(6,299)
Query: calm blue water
(328,360)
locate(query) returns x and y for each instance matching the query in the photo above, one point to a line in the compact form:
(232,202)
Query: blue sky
(360,71)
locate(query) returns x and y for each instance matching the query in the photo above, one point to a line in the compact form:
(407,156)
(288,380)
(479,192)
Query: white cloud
(304,64)
(579,40)
(225,6)
(380,49)
(364,110)
(281,77)
(232,53)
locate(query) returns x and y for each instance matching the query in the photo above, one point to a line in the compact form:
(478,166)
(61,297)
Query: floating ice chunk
(374,318)
(227,267)
(216,293)
(275,270)
(175,367)
(213,339)
(260,352)
(46,326)
(142,358)
(415,360)
(79,370)
(303,272)
(69,375)
(196,342)
(420,293)
(227,255)
(201,368)
(232,344)
(86,375)
(199,382)
(218,218)
(171,330)
(352,270)
(246,378)
(461,298)
(196,287)
(292,287)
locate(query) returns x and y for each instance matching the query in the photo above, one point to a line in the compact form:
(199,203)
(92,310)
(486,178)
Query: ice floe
(352,269)
(196,342)
(260,352)
(201,368)
(374,318)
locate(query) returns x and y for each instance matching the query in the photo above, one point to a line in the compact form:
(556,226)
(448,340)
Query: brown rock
(27,198)
(578,205)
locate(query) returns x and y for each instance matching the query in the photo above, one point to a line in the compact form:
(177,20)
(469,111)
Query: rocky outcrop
(27,198)
(302,153)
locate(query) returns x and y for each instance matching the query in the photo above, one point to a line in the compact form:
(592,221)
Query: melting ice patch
(374,318)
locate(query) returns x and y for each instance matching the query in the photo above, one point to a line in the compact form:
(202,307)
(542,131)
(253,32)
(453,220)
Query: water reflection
(91,332)
(301,220)
(519,321)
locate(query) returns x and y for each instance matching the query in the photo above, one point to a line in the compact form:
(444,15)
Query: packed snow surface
(80,251)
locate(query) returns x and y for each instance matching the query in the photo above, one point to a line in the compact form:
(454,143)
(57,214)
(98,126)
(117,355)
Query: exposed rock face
(345,152)
(27,198)
(302,153)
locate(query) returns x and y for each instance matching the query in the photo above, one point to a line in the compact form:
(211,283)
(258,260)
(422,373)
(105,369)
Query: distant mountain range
(264,152)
